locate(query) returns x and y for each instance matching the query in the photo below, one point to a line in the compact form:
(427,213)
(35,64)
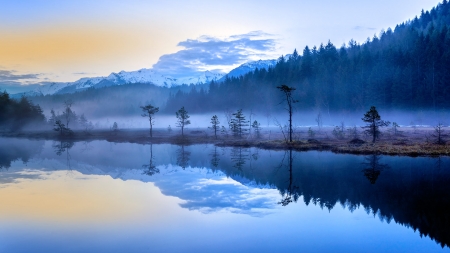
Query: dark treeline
(18,114)
(402,68)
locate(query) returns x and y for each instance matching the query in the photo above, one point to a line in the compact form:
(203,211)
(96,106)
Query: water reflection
(150,169)
(373,167)
(413,192)
(183,157)
(61,147)
(290,193)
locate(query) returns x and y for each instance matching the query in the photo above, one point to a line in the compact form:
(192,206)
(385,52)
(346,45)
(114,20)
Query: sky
(45,41)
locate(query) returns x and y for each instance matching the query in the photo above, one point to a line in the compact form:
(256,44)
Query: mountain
(249,67)
(144,76)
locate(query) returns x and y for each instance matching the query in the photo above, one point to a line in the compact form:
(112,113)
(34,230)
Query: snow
(148,76)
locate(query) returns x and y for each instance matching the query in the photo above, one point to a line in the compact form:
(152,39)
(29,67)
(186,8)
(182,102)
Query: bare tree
(149,111)
(319,121)
(68,113)
(290,101)
(439,134)
(183,119)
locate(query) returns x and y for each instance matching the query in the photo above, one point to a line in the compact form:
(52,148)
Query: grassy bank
(409,142)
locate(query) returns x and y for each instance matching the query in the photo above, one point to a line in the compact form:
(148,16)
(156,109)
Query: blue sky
(60,41)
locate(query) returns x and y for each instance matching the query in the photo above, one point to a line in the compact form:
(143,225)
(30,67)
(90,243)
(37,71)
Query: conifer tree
(374,122)
(183,119)
(215,125)
(238,124)
(149,111)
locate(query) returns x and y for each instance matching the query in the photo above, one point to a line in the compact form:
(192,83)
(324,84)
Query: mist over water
(300,119)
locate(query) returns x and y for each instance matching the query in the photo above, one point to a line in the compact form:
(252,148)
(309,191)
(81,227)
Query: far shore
(407,142)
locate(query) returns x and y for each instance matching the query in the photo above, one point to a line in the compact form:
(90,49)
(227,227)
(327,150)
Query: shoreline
(403,145)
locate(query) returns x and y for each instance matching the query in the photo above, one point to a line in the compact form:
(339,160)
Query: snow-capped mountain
(248,67)
(149,76)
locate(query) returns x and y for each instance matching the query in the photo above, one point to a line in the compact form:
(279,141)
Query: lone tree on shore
(374,122)
(183,119)
(149,111)
(238,124)
(290,101)
(215,124)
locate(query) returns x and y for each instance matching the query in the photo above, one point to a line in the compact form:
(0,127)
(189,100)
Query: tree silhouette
(290,101)
(183,119)
(215,125)
(149,111)
(374,122)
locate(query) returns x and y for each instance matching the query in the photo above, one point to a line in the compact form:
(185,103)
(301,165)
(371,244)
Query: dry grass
(417,142)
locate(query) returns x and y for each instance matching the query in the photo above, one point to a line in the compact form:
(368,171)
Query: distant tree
(215,124)
(339,132)
(224,131)
(319,121)
(149,111)
(115,127)
(257,128)
(68,114)
(183,119)
(395,127)
(374,122)
(86,125)
(311,133)
(439,134)
(353,132)
(290,101)
(238,124)
(52,118)
(59,127)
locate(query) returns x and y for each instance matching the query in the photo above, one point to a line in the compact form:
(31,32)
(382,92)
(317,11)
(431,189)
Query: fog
(271,120)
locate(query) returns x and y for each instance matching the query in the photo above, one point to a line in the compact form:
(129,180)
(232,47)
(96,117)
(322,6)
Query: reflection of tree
(374,167)
(183,157)
(238,156)
(150,169)
(215,158)
(61,147)
(290,194)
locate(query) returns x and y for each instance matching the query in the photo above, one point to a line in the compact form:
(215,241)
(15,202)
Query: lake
(99,196)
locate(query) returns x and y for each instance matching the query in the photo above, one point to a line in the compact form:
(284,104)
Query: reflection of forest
(17,149)
(414,192)
(414,196)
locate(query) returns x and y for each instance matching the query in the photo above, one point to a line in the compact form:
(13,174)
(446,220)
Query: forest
(16,115)
(404,68)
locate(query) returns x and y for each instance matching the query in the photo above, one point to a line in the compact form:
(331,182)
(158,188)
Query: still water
(120,197)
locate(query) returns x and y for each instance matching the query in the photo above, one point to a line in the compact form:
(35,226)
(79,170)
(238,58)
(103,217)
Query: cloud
(207,53)
(17,83)
(7,75)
